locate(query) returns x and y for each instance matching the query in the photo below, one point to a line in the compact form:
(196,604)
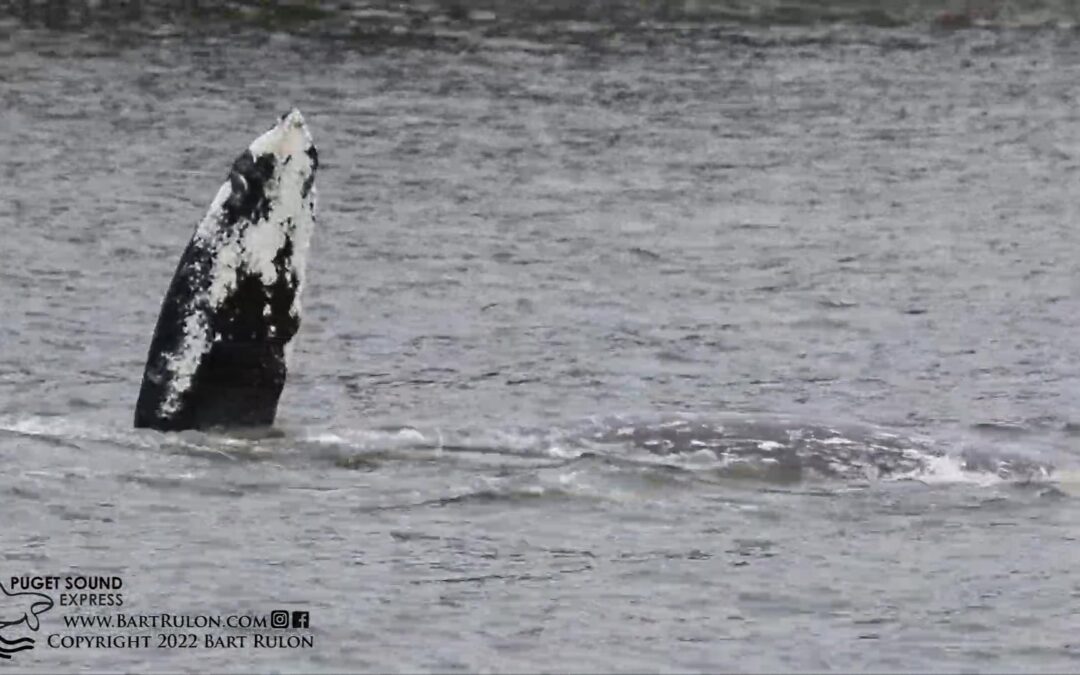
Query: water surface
(843,258)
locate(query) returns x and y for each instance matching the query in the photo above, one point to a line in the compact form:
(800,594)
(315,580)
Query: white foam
(948,469)
(1068,481)
(837,440)
(559,452)
(702,457)
(249,246)
(376,438)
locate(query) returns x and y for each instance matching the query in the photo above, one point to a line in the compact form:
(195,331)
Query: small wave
(10,647)
(951,469)
(777,448)
(419,19)
(730,446)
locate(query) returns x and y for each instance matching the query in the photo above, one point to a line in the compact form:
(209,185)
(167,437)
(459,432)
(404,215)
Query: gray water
(708,349)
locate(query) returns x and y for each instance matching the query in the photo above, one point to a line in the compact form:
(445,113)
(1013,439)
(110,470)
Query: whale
(217,357)
(17,609)
(22,607)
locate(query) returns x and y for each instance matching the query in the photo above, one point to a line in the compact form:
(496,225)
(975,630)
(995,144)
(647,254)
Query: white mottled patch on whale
(255,246)
(183,364)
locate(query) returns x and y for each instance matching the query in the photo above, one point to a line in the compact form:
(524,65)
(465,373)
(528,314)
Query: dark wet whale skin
(239,379)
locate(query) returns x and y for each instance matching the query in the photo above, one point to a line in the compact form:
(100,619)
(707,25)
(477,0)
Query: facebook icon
(301,619)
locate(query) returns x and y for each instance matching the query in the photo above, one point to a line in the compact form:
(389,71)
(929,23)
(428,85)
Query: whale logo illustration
(17,609)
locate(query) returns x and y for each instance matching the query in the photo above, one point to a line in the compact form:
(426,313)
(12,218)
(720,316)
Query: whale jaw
(217,357)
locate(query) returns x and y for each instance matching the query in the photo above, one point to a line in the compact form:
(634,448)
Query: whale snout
(293,119)
(289,138)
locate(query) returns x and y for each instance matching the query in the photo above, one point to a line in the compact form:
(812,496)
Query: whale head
(217,357)
(287,156)
(273,179)
(261,220)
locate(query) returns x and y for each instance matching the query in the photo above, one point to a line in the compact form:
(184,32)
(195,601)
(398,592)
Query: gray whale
(218,354)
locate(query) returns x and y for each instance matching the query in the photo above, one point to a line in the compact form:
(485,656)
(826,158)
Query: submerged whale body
(217,357)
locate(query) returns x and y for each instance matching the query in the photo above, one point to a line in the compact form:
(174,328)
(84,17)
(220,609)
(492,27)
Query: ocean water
(699,348)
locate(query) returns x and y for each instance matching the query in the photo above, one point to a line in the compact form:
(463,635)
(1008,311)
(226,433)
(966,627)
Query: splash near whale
(217,357)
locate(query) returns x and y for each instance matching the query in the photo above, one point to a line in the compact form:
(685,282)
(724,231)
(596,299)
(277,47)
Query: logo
(279,618)
(17,609)
(94,614)
(301,620)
